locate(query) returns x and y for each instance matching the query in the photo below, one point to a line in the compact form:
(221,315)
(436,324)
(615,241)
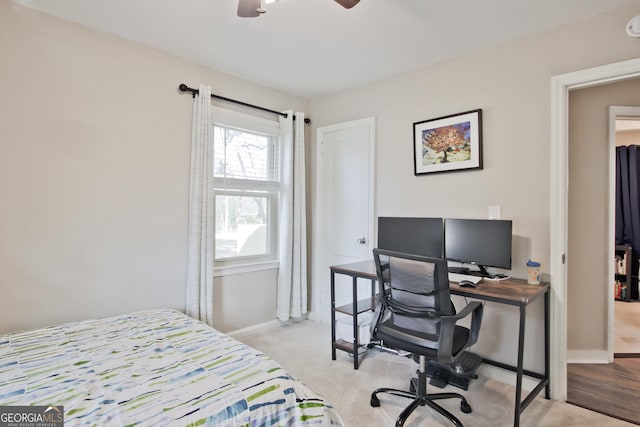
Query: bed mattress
(153,368)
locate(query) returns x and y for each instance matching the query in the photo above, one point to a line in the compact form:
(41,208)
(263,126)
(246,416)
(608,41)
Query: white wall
(511,83)
(94,176)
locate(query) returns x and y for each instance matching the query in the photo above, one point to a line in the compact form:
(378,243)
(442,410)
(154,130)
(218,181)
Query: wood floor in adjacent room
(612,389)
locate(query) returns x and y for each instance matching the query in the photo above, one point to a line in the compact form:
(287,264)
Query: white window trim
(239,120)
(229,270)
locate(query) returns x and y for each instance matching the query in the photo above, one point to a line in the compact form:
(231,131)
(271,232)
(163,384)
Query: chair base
(421,398)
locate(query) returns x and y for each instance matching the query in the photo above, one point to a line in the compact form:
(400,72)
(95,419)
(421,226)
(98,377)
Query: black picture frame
(449,143)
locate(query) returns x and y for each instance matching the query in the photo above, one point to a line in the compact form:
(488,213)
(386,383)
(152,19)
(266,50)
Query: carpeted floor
(304,349)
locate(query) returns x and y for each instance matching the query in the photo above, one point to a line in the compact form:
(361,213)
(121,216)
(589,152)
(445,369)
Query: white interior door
(344,206)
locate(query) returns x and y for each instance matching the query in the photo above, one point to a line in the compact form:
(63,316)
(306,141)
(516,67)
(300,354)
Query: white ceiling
(315,47)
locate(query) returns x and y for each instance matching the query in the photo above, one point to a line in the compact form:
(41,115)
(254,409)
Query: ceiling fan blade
(249,8)
(347,3)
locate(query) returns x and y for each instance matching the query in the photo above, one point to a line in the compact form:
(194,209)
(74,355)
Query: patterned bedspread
(153,368)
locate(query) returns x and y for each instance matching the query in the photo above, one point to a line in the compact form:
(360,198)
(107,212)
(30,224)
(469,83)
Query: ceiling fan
(253,8)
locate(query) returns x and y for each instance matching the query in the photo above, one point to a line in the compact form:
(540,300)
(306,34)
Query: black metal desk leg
(333,316)
(355,322)
(547,389)
(519,370)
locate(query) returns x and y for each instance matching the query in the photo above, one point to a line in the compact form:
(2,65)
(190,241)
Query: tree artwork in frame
(449,143)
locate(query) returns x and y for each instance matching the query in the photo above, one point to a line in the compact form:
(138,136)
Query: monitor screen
(482,242)
(417,236)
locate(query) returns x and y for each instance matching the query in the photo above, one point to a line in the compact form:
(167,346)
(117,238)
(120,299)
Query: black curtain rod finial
(184,88)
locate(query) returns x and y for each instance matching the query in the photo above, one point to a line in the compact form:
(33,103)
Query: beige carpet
(304,349)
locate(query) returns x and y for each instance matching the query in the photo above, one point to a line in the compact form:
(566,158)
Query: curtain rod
(184,88)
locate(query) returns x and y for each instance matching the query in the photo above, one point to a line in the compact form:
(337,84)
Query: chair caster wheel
(375,402)
(465,407)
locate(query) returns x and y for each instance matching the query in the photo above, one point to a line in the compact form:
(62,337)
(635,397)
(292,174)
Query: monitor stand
(481,272)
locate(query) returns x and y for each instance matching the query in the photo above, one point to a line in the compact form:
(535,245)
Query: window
(246,179)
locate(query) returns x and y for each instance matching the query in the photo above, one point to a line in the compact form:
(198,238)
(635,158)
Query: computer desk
(513,292)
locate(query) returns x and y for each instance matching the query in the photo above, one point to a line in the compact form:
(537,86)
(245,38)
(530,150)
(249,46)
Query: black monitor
(417,236)
(480,242)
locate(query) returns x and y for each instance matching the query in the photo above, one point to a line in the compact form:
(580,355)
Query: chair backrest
(414,282)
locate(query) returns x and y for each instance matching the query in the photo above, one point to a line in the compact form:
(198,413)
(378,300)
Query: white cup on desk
(533,272)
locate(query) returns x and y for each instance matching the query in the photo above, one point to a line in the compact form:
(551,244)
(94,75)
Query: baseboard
(587,356)
(268,324)
(626,355)
(253,328)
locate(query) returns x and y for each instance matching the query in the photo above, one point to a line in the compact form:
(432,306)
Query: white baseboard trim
(253,329)
(312,315)
(587,356)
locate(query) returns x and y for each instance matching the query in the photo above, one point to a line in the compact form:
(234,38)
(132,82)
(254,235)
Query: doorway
(595,380)
(561,85)
(624,319)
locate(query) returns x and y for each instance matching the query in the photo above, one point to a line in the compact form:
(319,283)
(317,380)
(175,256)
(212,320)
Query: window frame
(247,187)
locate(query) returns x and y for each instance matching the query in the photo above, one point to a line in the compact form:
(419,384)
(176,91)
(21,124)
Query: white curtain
(201,212)
(292,275)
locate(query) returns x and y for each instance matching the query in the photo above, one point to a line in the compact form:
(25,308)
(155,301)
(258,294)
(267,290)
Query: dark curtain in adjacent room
(628,204)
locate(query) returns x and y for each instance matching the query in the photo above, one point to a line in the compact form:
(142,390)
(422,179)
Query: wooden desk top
(364,269)
(507,291)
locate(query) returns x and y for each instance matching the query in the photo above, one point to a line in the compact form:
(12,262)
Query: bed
(153,368)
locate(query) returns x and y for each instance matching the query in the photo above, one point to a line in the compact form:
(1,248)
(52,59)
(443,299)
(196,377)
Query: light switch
(495,212)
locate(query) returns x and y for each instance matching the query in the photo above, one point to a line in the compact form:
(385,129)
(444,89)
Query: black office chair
(416,315)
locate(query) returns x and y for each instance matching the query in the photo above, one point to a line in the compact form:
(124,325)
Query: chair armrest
(445,350)
(476,309)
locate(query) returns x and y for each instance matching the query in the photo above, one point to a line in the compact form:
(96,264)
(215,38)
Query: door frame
(614,112)
(560,87)
(318,296)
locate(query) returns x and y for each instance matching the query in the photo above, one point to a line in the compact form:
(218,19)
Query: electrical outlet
(495,212)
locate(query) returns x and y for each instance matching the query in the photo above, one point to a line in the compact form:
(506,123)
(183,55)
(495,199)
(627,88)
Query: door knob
(362,240)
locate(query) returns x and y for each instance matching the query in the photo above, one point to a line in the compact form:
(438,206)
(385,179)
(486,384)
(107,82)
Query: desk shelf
(347,346)
(353,309)
(362,306)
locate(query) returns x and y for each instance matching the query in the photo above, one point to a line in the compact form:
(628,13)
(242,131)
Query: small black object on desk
(467,284)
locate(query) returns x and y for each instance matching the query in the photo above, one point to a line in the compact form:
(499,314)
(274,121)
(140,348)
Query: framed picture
(449,143)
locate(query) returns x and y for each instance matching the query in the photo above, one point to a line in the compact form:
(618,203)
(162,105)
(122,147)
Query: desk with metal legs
(513,292)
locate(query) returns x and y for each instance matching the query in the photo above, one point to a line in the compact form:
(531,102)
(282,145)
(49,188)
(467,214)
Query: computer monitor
(417,236)
(480,242)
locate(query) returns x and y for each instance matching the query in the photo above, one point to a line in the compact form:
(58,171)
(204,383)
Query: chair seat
(418,342)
